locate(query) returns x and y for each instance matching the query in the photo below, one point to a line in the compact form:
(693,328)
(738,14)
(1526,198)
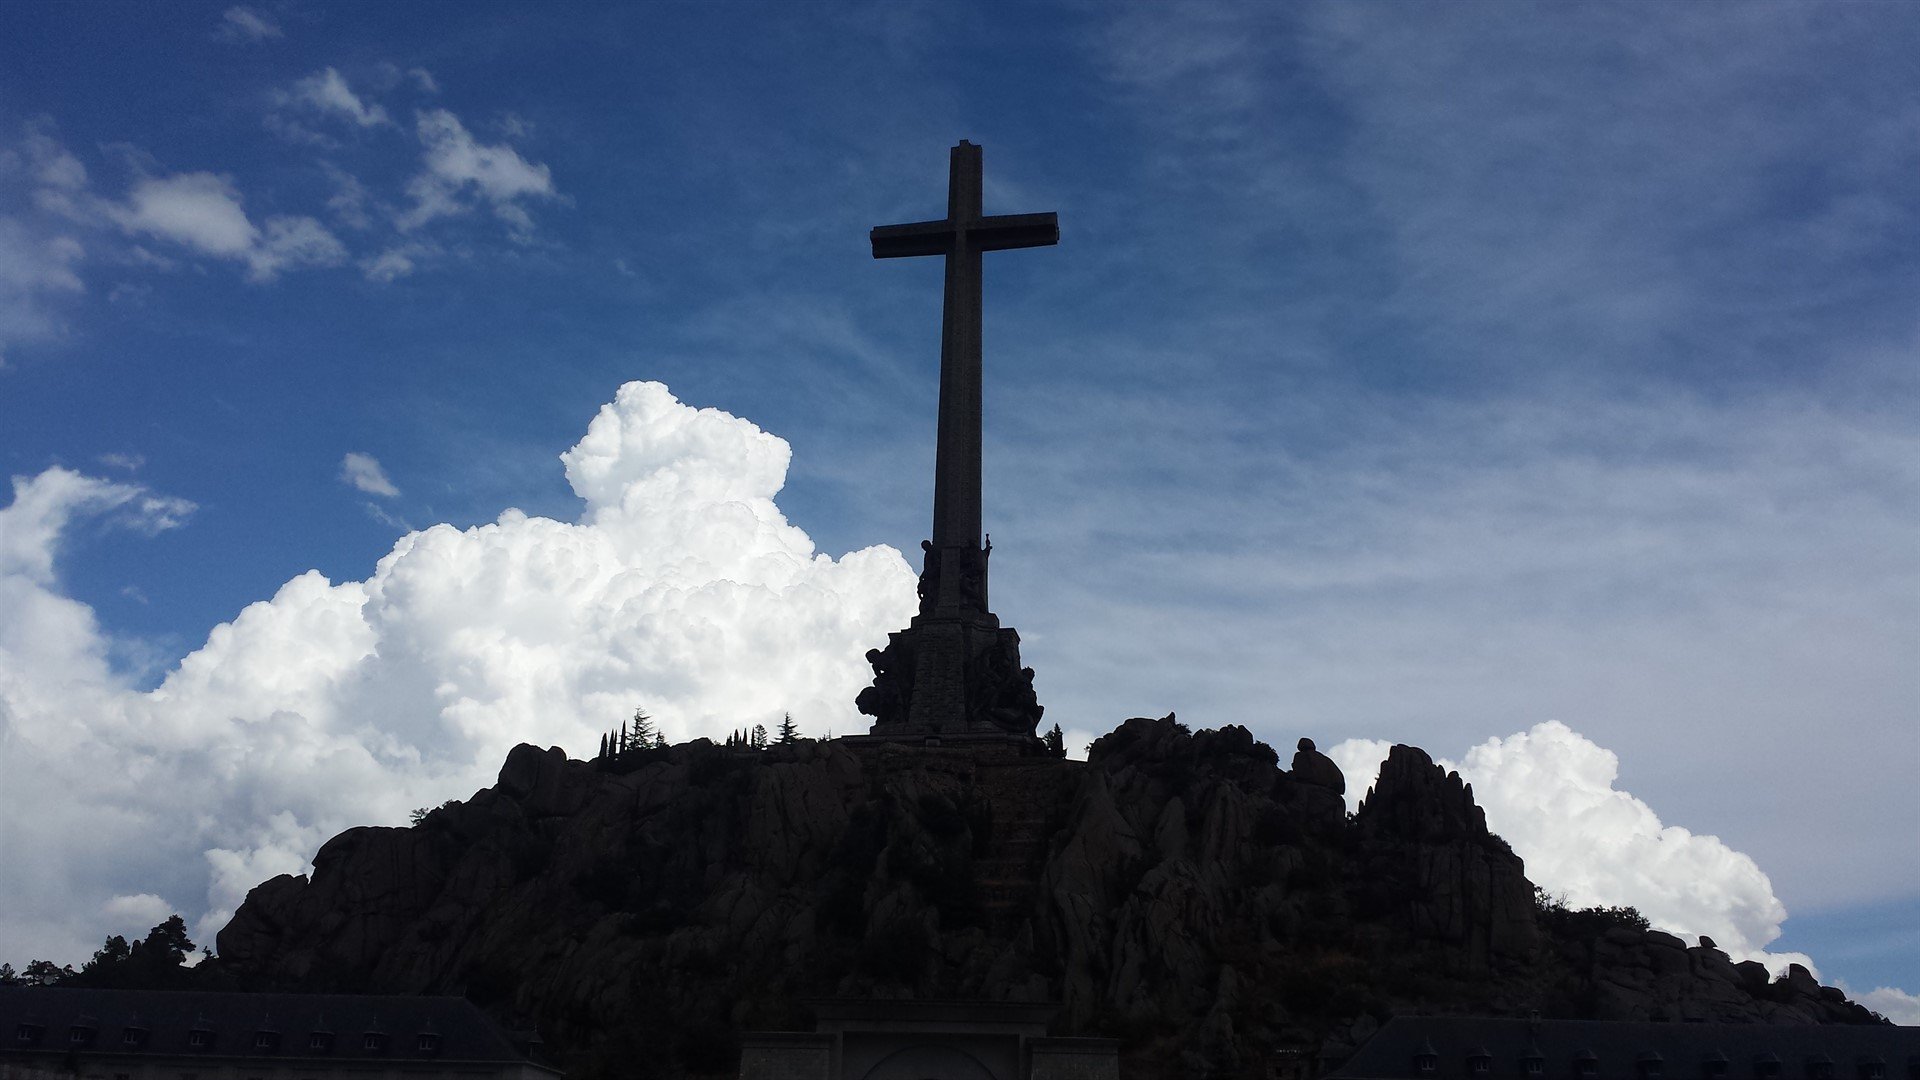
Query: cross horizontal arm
(916,238)
(1007,231)
(999,233)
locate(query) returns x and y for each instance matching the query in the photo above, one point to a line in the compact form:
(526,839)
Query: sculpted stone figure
(886,699)
(929,584)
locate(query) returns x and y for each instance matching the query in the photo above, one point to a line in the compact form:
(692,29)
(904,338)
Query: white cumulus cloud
(1550,793)
(135,913)
(681,588)
(364,473)
(1894,1004)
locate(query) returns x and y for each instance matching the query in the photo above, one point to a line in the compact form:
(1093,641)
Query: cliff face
(1180,891)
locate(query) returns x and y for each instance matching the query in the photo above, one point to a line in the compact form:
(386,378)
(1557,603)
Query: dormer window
(1479,1063)
(320,1041)
(374,1041)
(1533,1065)
(266,1041)
(1649,1066)
(28,1034)
(1872,1069)
(200,1038)
(1586,1064)
(1713,1066)
(1766,1067)
(1426,1064)
(1819,1067)
(427,1043)
(80,1035)
(133,1038)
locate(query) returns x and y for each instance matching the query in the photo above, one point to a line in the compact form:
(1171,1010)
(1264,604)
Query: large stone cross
(961,236)
(954,672)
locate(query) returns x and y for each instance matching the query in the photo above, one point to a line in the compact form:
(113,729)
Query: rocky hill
(1181,891)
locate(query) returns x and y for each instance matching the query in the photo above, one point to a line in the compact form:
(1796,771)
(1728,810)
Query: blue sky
(1405,372)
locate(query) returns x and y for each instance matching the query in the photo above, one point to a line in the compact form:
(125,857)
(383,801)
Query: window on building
(199,1038)
(1872,1069)
(265,1040)
(80,1035)
(1766,1067)
(28,1034)
(374,1041)
(321,1041)
(428,1043)
(134,1037)
(1586,1064)
(1425,1064)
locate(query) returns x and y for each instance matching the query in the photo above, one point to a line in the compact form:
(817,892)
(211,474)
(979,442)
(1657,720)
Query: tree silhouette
(644,735)
(45,973)
(789,731)
(111,952)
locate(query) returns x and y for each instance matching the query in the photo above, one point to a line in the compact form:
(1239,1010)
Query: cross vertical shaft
(956,459)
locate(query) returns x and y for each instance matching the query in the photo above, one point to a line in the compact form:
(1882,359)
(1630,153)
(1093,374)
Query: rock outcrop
(1179,890)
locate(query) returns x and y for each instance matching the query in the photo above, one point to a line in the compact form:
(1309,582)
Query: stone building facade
(60,1033)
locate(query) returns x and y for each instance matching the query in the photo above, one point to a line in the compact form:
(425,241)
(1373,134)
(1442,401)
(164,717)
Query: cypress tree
(644,736)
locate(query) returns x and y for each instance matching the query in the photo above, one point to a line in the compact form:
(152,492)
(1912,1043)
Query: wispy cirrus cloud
(327,92)
(460,173)
(363,472)
(247,25)
(203,211)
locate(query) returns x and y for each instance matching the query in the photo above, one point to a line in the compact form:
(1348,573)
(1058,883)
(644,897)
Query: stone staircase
(1030,800)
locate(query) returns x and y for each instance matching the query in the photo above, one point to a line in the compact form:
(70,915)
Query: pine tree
(602,755)
(111,952)
(168,944)
(1056,742)
(759,739)
(788,730)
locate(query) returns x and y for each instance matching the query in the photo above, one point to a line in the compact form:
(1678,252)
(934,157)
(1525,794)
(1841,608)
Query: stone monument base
(951,678)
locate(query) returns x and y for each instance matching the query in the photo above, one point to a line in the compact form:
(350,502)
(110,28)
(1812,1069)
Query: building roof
(204,1023)
(1631,1051)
